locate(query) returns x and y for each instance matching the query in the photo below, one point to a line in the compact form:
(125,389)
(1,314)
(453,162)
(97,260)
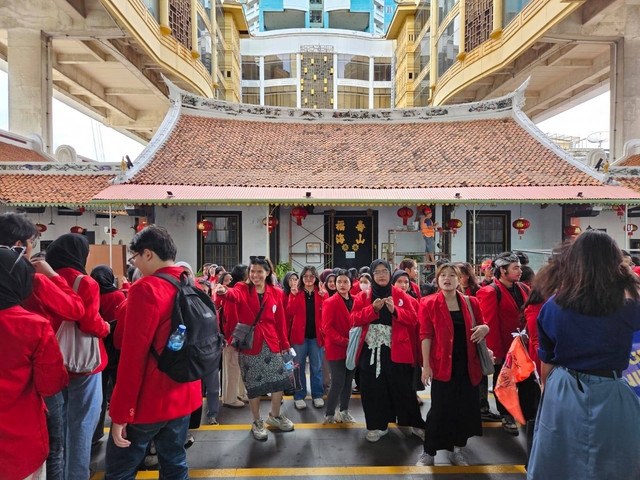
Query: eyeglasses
(308,277)
(17,249)
(380,273)
(133,258)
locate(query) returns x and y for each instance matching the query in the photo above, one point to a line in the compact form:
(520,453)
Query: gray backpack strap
(76,283)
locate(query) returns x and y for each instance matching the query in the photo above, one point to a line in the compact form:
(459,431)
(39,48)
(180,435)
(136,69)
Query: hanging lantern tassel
(299,213)
(454,224)
(205,226)
(405,213)
(270,222)
(630,228)
(521,225)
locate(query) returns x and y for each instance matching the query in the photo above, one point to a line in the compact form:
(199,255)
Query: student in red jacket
(262,367)
(336,322)
(111,298)
(32,368)
(146,404)
(51,295)
(450,359)
(410,266)
(385,355)
(67,255)
(502,312)
(305,333)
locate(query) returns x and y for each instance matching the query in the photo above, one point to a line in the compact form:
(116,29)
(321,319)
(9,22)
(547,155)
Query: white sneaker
(330,419)
(318,402)
(375,435)
(457,458)
(418,432)
(151,460)
(300,404)
(258,430)
(425,460)
(345,417)
(280,422)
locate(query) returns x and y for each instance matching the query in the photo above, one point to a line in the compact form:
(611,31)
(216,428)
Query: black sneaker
(489,416)
(509,426)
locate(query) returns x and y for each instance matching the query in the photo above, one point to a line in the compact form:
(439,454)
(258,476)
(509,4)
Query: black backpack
(499,292)
(203,343)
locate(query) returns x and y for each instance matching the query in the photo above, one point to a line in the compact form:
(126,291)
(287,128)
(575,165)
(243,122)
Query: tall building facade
(309,68)
(370,16)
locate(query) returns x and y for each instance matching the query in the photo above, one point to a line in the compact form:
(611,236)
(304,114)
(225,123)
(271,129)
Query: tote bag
(355,334)
(483,353)
(81,351)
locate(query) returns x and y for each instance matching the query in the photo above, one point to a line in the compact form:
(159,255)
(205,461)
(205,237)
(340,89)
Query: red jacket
(336,322)
(436,324)
(297,311)
(503,319)
(416,288)
(54,296)
(91,322)
(109,303)
(271,326)
(403,328)
(531,315)
(32,368)
(144,394)
(355,288)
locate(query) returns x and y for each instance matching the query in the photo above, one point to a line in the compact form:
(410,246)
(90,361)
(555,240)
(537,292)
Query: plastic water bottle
(176,340)
(288,359)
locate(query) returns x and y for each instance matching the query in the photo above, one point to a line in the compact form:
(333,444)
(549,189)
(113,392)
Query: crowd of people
(375,326)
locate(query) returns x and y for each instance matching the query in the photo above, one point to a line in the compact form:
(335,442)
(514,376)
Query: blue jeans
(212,382)
(80,413)
(169,438)
(55,460)
(311,349)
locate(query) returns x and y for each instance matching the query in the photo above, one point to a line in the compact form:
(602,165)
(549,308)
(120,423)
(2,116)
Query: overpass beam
(30,84)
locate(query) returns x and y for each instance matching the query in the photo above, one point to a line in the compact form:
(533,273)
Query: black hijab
(285,281)
(16,279)
(399,273)
(378,291)
(326,281)
(105,278)
(69,251)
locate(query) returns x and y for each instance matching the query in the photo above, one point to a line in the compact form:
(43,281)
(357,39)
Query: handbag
(242,335)
(80,351)
(355,334)
(483,353)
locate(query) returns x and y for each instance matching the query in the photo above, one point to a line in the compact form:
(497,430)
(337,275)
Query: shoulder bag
(81,351)
(355,334)
(483,354)
(242,335)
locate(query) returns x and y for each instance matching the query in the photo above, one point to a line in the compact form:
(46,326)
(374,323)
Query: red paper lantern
(619,209)
(424,209)
(41,227)
(81,210)
(454,224)
(572,230)
(141,226)
(270,222)
(299,213)
(77,229)
(114,232)
(405,213)
(630,228)
(205,226)
(521,224)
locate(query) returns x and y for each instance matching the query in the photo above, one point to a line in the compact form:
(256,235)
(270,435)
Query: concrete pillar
(261,79)
(462,54)
(497,19)
(371,70)
(30,84)
(335,82)
(298,78)
(625,88)
(163,7)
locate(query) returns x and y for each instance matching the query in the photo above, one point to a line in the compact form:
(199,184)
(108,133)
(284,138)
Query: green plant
(282,268)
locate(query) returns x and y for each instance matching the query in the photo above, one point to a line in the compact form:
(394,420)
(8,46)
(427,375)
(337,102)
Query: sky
(71,127)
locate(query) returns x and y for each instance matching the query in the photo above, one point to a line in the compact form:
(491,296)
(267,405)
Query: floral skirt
(263,373)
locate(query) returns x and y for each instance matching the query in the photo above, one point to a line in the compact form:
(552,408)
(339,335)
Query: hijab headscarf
(326,286)
(105,278)
(399,273)
(378,291)
(16,279)
(69,251)
(285,282)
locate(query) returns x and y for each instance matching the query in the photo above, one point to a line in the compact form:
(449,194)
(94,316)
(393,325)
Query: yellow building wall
(232,57)
(405,64)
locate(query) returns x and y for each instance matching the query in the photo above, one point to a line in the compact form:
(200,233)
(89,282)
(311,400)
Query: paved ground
(334,452)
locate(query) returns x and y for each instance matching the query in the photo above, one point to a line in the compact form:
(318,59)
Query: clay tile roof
(50,189)
(13,153)
(630,182)
(632,161)
(480,153)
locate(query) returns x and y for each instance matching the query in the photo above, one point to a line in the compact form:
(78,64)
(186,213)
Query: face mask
(364,286)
